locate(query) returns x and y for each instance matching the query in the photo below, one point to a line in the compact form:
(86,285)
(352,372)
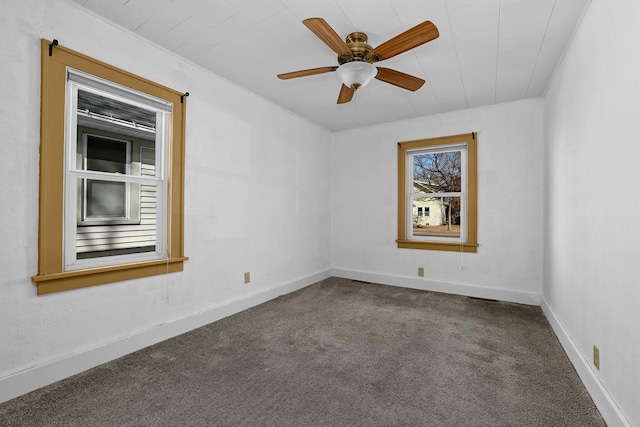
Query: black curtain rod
(51,45)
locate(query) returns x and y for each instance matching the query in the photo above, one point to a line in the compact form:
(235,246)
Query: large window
(114,212)
(437,194)
(111,174)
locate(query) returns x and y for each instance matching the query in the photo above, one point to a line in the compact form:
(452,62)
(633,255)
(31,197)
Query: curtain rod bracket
(51,45)
(183,96)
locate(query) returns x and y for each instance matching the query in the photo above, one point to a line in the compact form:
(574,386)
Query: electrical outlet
(596,357)
(420,271)
(247,277)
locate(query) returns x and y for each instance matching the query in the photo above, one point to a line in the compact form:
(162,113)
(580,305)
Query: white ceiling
(489,51)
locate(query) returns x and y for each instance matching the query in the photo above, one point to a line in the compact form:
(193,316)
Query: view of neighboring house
(115,217)
(428,211)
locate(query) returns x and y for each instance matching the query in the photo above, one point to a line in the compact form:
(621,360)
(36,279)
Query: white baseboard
(520,297)
(39,376)
(603,400)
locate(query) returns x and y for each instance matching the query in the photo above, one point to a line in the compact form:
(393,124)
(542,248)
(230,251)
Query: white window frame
(78,80)
(412,195)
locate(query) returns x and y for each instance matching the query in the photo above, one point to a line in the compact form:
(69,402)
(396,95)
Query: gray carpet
(337,353)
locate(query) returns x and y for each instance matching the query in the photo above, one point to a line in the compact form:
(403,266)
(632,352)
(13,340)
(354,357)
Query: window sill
(438,246)
(67,280)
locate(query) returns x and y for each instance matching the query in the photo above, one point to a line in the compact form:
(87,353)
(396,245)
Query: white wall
(257,199)
(508,264)
(592,153)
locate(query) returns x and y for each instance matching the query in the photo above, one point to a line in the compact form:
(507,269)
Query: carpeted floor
(337,353)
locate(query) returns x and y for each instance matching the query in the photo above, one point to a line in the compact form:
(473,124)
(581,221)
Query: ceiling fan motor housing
(360,49)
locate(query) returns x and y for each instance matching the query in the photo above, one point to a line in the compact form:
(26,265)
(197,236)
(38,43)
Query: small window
(437,194)
(111,174)
(105,200)
(422,211)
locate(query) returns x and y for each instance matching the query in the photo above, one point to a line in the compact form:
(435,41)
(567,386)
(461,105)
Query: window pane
(106,155)
(106,199)
(118,111)
(437,172)
(443,218)
(98,238)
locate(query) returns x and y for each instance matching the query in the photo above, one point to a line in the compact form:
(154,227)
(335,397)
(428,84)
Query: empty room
(327,212)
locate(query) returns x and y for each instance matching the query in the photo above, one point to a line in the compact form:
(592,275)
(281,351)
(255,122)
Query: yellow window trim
(51,277)
(471,241)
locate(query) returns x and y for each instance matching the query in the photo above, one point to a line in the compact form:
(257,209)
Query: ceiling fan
(356,57)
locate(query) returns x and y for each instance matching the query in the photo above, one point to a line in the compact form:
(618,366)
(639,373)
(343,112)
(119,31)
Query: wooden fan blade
(405,81)
(413,37)
(309,72)
(346,94)
(324,32)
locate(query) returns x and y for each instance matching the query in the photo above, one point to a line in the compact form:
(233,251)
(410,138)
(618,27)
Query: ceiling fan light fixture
(356,74)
